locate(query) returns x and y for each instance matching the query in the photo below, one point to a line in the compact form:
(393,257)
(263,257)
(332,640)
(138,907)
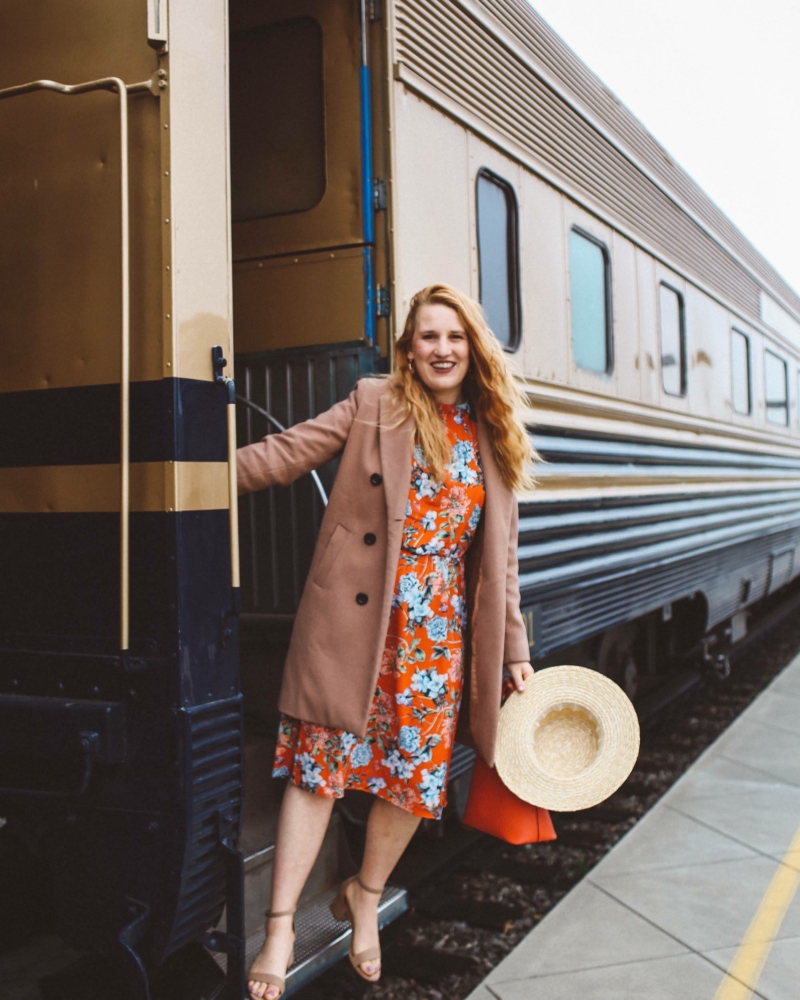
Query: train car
(213,216)
(659,348)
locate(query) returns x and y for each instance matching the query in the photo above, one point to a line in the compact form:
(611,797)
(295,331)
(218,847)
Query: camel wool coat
(340,630)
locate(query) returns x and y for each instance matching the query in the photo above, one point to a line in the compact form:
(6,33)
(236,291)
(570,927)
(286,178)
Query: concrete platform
(701,900)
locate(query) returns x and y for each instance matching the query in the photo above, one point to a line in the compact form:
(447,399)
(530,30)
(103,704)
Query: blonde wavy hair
(490,387)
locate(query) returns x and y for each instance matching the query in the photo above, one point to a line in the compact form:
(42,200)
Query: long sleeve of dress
(279,459)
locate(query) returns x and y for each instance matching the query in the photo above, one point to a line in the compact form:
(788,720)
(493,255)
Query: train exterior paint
(297,170)
(122,754)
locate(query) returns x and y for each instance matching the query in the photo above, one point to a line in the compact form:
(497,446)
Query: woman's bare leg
(302,822)
(389,829)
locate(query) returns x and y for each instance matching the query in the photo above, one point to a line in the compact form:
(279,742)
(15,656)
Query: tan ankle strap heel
(368,888)
(259,974)
(340,908)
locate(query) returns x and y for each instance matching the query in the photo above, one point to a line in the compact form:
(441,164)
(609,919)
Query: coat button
(370,539)
(361,598)
(376,479)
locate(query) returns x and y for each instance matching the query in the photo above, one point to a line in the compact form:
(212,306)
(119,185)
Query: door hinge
(379,194)
(382,302)
(374,10)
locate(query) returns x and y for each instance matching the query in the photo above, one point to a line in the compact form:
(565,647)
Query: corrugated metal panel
(279,526)
(521,21)
(569,617)
(214,783)
(589,563)
(439,42)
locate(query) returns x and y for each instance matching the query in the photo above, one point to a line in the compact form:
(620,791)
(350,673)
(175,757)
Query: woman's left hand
(520,672)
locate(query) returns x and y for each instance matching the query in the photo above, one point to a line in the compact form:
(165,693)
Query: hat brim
(547,691)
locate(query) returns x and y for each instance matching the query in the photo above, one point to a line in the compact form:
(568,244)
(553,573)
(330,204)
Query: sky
(717,82)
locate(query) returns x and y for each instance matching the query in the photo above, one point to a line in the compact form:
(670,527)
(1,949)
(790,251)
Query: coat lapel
(397,448)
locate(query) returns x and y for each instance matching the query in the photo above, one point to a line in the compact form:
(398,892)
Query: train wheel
(616,658)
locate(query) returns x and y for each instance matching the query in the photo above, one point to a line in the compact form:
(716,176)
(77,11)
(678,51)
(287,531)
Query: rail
(218,363)
(279,426)
(114,84)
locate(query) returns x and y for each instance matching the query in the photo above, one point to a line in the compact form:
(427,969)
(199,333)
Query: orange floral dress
(405,753)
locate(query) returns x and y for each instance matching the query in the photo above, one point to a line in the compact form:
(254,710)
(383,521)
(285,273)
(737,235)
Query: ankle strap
(281,913)
(368,888)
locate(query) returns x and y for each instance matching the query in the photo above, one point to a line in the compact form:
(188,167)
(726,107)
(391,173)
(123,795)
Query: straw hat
(568,741)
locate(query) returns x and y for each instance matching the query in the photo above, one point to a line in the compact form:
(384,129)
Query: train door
(309,265)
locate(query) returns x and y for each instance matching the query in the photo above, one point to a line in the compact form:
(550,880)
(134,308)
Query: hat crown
(568,741)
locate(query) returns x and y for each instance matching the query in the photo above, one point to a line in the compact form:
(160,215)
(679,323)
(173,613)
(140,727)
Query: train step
(321,940)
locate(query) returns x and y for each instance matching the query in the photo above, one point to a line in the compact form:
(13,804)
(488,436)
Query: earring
(411,367)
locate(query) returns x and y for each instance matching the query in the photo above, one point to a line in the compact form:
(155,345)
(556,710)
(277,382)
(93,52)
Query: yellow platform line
(749,961)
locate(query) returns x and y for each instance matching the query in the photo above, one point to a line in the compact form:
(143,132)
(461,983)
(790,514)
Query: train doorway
(306,327)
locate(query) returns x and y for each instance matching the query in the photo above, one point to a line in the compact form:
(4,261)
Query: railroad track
(473,898)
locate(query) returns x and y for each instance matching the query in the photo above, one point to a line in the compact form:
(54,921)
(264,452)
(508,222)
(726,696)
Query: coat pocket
(332,550)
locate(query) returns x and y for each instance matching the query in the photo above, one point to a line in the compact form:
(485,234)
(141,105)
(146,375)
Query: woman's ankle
(369,891)
(278,925)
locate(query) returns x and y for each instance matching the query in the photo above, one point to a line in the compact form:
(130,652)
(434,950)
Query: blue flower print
(447,568)
(429,683)
(398,766)
(431,785)
(408,508)
(408,739)
(411,593)
(462,409)
(431,548)
(437,629)
(349,740)
(376,784)
(474,518)
(419,610)
(311,776)
(425,486)
(428,521)
(424,754)
(460,470)
(280,772)
(459,606)
(403,697)
(360,755)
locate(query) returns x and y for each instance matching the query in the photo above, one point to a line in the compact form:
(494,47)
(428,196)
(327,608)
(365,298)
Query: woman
(416,554)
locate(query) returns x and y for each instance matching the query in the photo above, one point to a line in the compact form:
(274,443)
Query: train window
(590,299)
(673,340)
(776,389)
(740,372)
(277,119)
(498,256)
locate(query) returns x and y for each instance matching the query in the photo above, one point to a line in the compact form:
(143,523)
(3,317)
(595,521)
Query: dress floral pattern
(405,753)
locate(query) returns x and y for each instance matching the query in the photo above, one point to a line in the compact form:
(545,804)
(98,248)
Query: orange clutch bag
(492,808)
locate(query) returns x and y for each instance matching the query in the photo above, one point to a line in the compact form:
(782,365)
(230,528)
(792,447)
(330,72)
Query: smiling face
(440,351)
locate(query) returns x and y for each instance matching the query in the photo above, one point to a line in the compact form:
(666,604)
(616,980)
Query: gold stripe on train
(155,486)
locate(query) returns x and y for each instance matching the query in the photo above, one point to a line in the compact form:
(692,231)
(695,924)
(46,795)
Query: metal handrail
(218,363)
(280,427)
(114,84)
